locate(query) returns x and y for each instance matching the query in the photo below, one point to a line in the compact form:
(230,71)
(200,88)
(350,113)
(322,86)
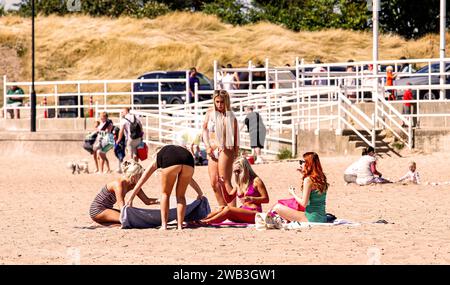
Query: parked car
(424,80)
(169,98)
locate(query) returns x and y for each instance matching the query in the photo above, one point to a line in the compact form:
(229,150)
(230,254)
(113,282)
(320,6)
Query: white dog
(82,166)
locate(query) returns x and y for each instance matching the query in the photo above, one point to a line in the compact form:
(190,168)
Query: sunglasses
(301,162)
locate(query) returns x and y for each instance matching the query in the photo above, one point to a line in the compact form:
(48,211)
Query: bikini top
(251,190)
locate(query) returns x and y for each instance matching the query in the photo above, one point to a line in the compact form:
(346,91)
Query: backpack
(135,129)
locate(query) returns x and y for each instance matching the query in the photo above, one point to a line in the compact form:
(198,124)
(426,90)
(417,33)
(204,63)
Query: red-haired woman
(309,206)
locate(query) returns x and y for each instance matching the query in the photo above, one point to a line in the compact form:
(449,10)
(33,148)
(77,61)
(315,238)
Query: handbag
(142,151)
(106,141)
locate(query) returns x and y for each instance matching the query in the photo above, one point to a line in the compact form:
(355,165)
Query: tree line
(407,18)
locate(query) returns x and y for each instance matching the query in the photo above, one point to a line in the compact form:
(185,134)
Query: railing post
(373,131)
(197,117)
(79,100)
(56,101)
(293,139)
(267,74)
(159,112)
(4,96)
(250,76)
(215,74)
(105,91)
(339,121)
(132,95)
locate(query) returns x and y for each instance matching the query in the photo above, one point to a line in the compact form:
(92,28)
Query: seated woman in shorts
(250,189)
(102,211)
(309,206)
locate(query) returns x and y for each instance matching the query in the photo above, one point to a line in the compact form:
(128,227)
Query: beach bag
(89,141)
(135,129)
(106,141)
(142,151)
(268,221)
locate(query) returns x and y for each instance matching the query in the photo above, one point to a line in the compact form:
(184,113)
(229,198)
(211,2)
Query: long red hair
(313,170)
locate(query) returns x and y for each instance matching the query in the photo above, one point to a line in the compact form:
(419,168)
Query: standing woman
(177,164)
(221,138)
(309,206)
(105,128)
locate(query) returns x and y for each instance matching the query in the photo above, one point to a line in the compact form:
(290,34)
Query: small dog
(83,167)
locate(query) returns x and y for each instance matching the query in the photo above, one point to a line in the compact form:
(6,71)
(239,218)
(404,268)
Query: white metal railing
(287,96)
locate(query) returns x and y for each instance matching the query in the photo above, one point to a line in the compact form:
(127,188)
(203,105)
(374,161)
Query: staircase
(382,142)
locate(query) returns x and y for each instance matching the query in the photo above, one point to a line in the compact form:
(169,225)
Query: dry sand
(43,209)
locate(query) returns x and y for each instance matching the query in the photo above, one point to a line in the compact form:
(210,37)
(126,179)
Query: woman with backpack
(131,127)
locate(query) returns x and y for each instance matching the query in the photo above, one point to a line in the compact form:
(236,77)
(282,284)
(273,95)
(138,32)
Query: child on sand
(412,176)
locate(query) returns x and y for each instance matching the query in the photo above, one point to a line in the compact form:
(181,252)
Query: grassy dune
(81,47)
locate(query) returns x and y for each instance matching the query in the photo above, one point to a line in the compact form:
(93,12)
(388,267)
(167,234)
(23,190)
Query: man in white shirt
(132,140)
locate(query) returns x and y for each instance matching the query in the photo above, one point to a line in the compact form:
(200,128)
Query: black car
(168,88)
(424,79)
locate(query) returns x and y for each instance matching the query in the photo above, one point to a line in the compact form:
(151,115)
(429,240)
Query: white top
(364,173)
(411,177)
(126,124)
(352,169)
(228,81)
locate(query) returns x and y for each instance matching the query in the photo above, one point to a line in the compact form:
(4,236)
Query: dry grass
(81,47)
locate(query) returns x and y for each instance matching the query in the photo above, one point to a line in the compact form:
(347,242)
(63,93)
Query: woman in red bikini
(251,191)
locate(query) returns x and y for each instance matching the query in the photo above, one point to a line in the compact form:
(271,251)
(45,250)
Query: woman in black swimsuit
(177,164)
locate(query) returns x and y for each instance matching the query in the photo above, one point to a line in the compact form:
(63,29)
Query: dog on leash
(81,167)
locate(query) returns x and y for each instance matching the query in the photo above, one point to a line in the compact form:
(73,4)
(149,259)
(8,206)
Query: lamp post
(33,92)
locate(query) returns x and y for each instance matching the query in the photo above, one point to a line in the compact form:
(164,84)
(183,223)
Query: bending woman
(177,164)
(309,206)
(221,138)
(102,211)
(250,189)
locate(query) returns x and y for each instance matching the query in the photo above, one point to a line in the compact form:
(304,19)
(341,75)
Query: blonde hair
(226,99)
(131,168)
(247,174)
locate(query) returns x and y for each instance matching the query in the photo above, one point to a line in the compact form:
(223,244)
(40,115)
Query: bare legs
(233,214)
(183,175)
(226,159)
(289,214)
(108,217)
(99,155)
(213,171)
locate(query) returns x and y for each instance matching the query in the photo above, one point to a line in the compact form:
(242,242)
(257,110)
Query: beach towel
(138,218)
(264,221)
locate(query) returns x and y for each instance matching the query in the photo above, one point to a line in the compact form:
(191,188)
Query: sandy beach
(44,210)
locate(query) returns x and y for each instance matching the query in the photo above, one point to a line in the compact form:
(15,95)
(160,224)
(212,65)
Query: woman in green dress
(309,205)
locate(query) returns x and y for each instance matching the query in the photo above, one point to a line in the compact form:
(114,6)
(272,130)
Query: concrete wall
(326,143)
(430,141)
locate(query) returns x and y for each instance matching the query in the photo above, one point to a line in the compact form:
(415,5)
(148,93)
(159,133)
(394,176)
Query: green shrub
(284,153)
(152,9)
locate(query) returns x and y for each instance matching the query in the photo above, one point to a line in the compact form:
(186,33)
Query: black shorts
(171,155)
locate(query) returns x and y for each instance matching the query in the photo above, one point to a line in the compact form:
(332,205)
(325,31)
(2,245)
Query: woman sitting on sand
(310,205)
(177,165)
(250,189)
(367,169)
(102,210)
